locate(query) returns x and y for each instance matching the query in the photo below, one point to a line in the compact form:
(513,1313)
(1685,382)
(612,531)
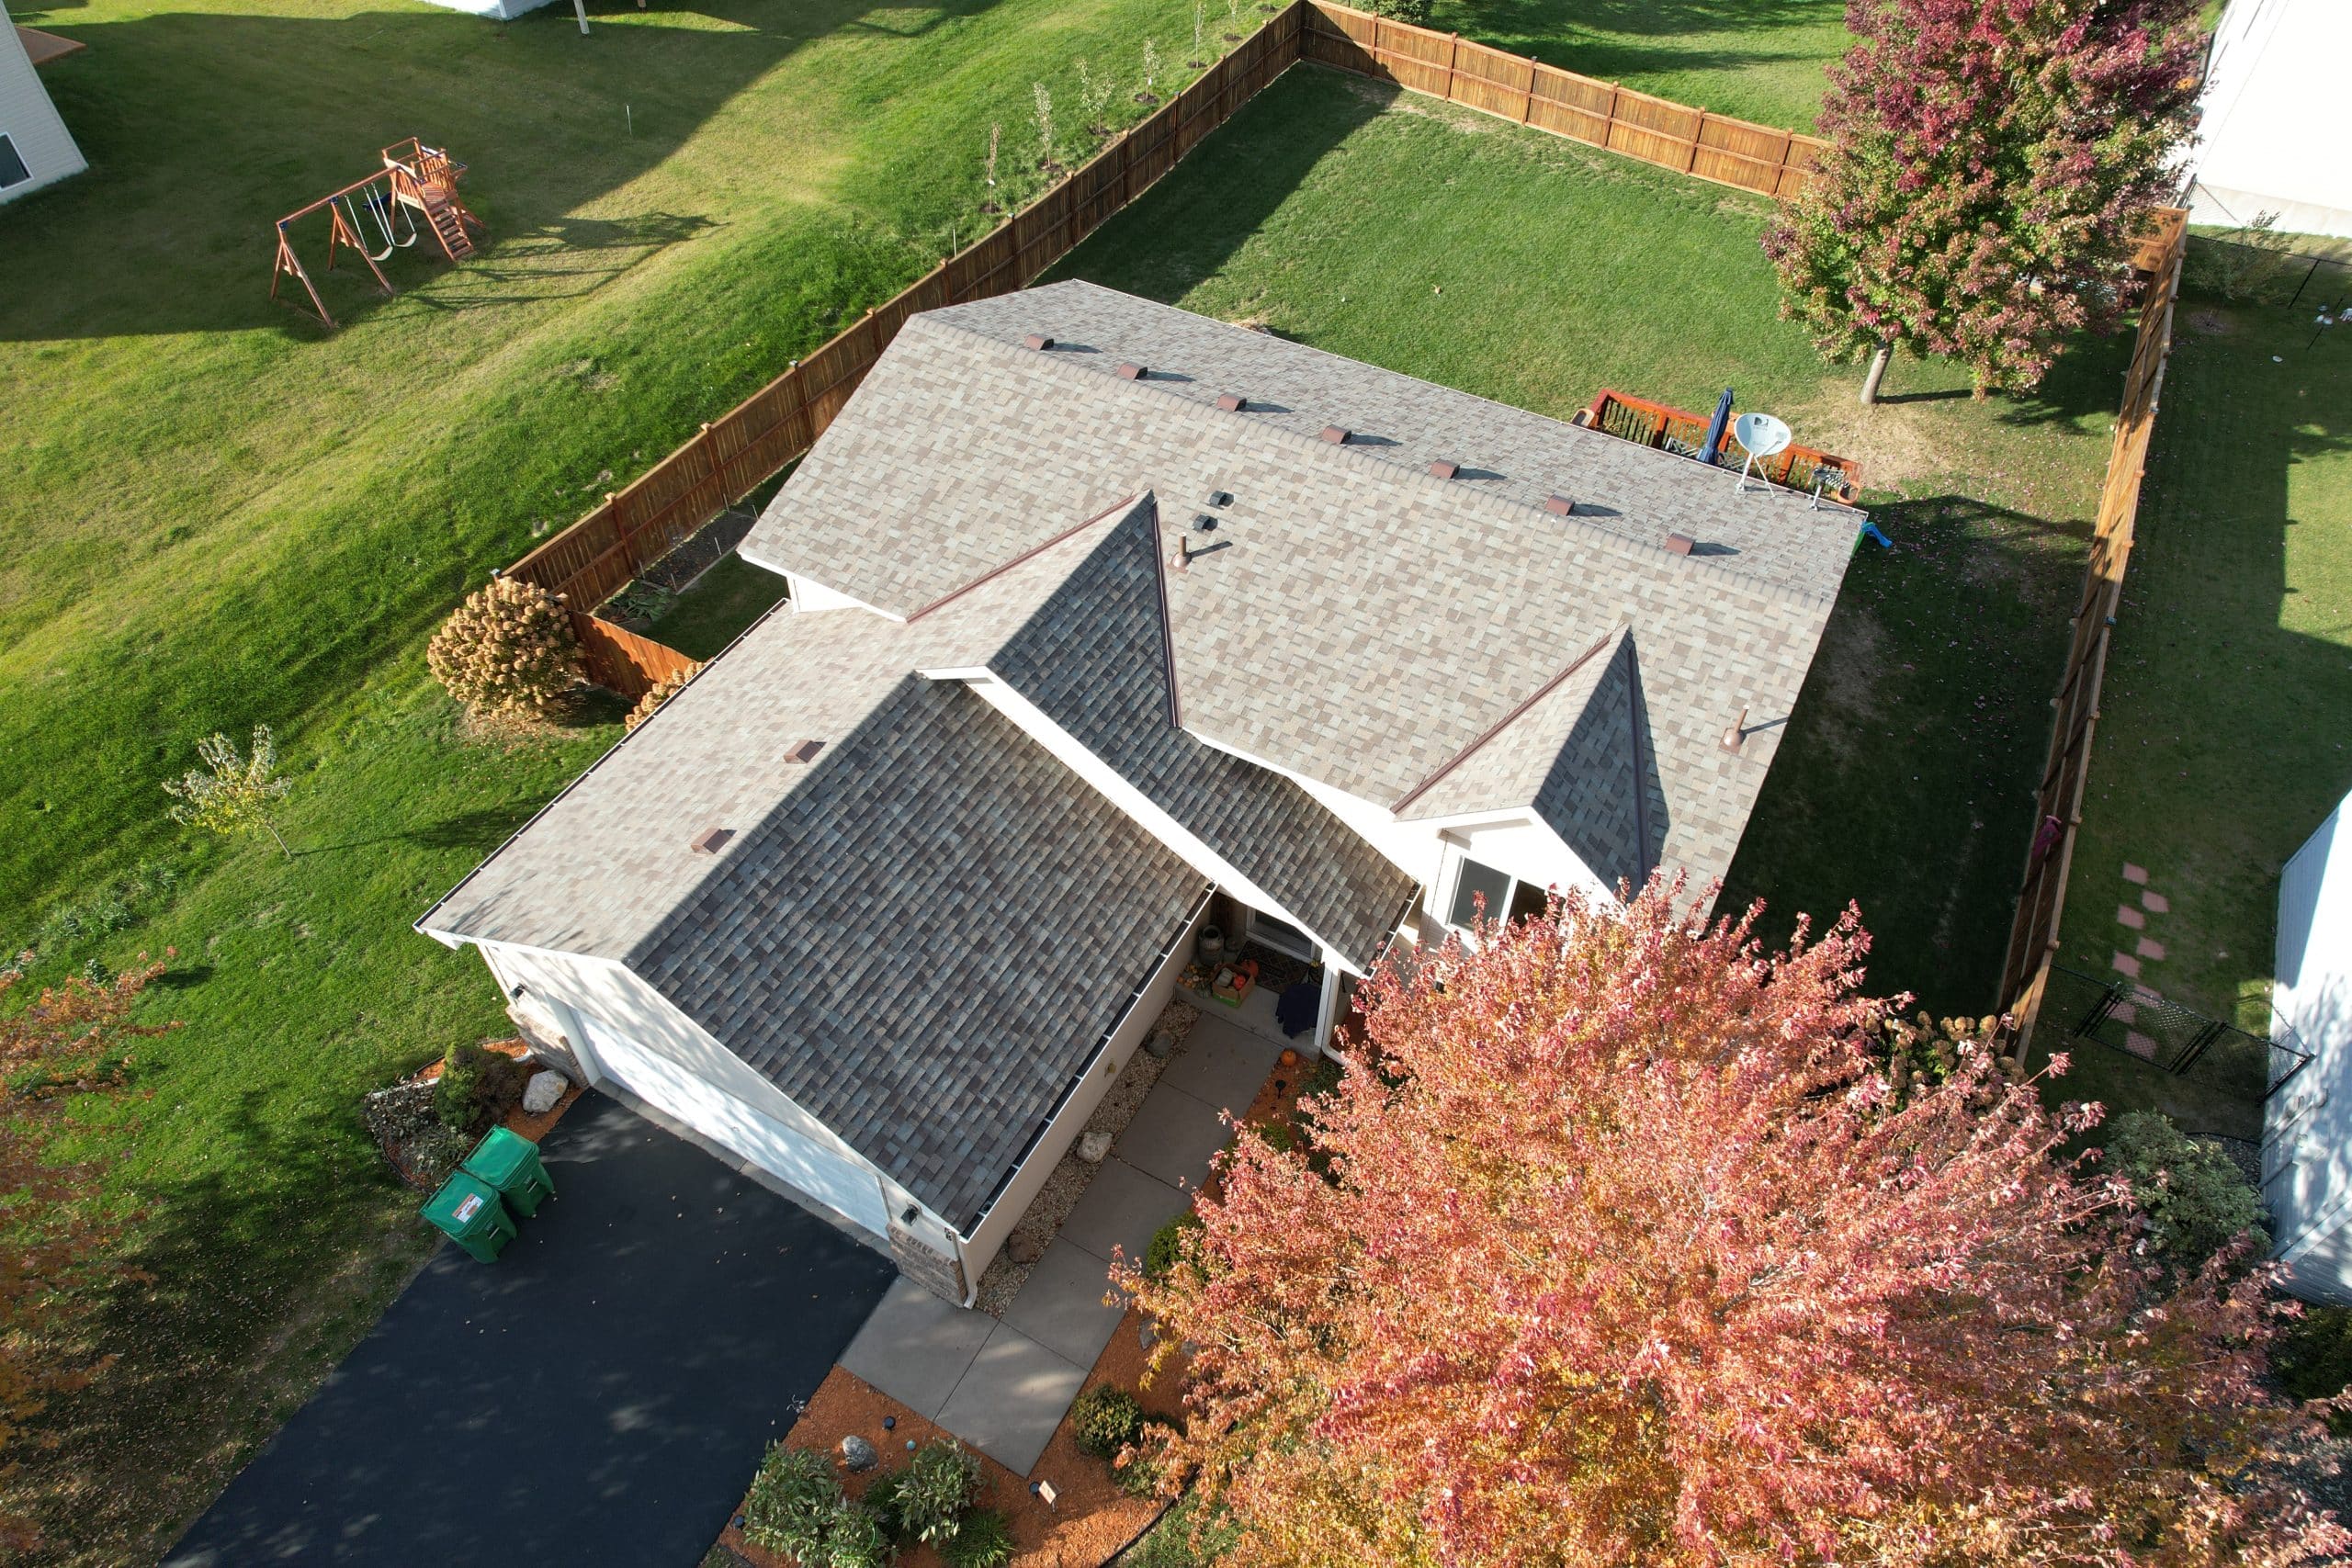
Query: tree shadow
(196,146)
(1603,38)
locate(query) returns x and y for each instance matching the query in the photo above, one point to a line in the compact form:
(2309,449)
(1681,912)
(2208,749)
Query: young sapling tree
(231,794)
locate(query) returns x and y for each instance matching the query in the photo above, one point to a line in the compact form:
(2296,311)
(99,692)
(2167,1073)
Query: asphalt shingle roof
(1353,619)
(919,935)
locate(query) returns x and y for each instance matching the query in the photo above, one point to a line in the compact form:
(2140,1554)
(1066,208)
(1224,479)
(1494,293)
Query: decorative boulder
(1161,1044)
(1023,1251)
(543,1089)
(858,1454)
(1092,1146)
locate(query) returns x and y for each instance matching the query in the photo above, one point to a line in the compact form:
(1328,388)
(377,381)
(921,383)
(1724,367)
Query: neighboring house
(2270,128)
(1103,614)
(2306,1137)
(35,147)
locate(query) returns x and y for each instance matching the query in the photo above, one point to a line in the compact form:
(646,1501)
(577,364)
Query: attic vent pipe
(1130,372)
(1334,435)
(1038,341)
(1444,468)
(1232,403)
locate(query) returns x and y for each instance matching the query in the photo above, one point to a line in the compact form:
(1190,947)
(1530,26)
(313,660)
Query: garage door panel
(840,1184)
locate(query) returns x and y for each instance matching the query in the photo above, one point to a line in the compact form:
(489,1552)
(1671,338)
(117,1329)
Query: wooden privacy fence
(2058,815)
(1758,158)
(730,457)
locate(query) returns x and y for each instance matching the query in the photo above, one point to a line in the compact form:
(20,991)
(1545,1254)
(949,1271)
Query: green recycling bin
(509,1163)
(471,1215)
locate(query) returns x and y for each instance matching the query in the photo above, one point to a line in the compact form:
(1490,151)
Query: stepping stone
(2156,903)
(2149,947)
(2124,1012)
(2139,1045)
(2138,873)
(2124,964)
(2130,917)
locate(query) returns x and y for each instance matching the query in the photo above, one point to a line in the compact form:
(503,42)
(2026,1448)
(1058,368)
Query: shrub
(1105,1419)
(1166,1248)
(2314,1360)
(939,1483)
(661,692)
(2197,1200)
(794,1500)
(477,1087)
(1416,12)
(1140,1477)
(853,1538)
(983,1540)
(507,651)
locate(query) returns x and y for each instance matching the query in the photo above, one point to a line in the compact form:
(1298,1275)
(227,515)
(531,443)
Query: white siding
(692,1077)
(30,121)
(997,1224)
(2271,120)
(2307,1124)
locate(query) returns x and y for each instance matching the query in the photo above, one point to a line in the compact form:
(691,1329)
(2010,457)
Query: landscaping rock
(1092,1146)
(543,1089)
(1023,1251)
(858,1454)
(1161,1044)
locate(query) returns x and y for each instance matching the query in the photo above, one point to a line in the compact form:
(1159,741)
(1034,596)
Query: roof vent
(1559,506)
(708,840)
(1444,468)
(1679,544)
(1038,341)
(1335,435)
(803,751)
(1232,403)
(1130,371)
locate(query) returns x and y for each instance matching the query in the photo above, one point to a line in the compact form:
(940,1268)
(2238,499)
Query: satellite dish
(1760,436)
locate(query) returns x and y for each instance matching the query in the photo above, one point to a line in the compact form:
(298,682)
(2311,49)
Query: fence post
(1453,53)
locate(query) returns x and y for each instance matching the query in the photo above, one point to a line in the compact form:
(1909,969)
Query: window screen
(12,165)
(1472,883)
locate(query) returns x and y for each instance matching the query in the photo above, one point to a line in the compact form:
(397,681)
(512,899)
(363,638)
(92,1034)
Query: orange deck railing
(1680,430)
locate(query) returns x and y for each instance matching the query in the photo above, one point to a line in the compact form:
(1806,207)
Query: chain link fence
(2170,1037)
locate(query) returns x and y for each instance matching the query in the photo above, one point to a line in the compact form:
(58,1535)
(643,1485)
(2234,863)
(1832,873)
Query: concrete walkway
(1004,1386)
(601,1393)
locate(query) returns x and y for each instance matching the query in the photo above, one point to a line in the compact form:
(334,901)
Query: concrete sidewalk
(1004,1386)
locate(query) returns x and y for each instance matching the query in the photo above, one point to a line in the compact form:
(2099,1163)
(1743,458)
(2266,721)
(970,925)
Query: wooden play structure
(415,194)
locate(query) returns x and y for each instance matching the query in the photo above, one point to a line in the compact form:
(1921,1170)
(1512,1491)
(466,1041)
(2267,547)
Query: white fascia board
(1180,840)
(811,597)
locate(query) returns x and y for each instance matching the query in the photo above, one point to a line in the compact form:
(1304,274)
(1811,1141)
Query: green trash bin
(471,1215)
(509,1163)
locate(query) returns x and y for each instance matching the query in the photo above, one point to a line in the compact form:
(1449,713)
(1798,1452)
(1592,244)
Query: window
(12,165)
(1282,936)
(1506,897)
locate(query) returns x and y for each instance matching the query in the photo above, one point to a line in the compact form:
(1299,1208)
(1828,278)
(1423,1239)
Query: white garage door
(839,1183)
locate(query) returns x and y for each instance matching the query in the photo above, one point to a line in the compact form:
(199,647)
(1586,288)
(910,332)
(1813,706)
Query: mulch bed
(533,1127)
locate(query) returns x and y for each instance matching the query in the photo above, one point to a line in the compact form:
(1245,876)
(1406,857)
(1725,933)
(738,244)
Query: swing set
(375,216)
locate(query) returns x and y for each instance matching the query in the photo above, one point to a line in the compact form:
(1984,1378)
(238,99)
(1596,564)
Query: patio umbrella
(1715,441)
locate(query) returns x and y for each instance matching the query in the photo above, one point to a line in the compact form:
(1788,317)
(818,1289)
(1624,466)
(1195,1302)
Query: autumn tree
(56,1236)
(1988,163)
(1634,1249)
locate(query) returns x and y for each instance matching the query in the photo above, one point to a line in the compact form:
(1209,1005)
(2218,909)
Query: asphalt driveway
(601,1393)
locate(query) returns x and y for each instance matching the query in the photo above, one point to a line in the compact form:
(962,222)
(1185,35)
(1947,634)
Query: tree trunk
(279,837)
(1877,373)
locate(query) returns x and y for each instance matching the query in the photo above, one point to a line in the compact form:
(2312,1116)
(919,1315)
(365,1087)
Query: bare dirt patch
(1895,443)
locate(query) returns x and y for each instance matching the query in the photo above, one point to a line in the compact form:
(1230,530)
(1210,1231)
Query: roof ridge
(1614,635)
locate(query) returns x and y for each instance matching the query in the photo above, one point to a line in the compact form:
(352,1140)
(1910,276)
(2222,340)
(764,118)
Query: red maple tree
(1988,163)
(1623,1241)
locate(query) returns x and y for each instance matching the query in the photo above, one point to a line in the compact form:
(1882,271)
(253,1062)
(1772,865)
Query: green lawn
(701,622)
(1524,268)
(1760,59)
(2227,705)
(219,514)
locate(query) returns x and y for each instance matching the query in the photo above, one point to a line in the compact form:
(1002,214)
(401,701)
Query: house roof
(921,934)
(1350,618)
